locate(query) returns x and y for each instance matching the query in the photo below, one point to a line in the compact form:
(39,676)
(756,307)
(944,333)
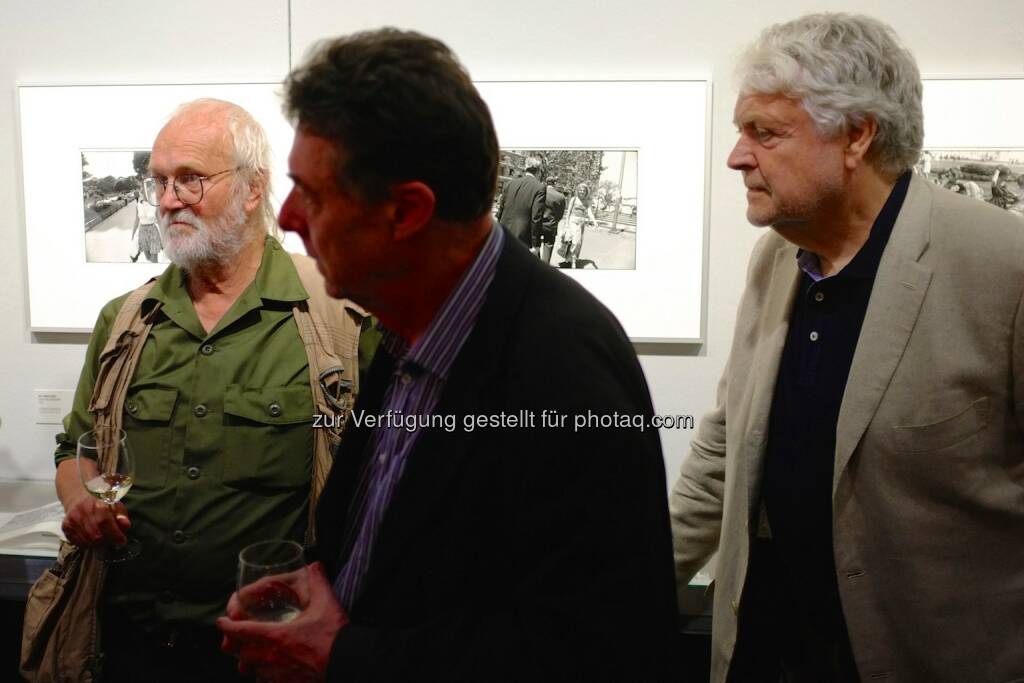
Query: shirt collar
(864,264)
(436,349)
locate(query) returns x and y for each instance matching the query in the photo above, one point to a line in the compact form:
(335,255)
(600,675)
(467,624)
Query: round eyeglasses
(188,188)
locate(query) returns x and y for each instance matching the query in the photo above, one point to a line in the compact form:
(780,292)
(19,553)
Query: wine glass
(107,469)
(272,580)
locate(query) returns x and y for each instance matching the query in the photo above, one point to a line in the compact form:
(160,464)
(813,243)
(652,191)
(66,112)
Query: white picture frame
(661,300)
(967,153)
(952,105)
(66,292)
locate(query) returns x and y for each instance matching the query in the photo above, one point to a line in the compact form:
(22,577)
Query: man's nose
(290,218)
(741,157)
(169,198)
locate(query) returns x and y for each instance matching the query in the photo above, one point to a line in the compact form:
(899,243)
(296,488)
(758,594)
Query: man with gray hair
(218,412)
(521,207)
(862,476)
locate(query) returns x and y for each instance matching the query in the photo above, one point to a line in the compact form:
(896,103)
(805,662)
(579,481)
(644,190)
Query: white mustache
(181,216)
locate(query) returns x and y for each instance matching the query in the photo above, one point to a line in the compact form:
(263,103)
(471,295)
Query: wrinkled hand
(298,650)
(90,522)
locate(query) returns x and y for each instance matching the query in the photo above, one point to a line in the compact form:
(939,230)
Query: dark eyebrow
(298,182)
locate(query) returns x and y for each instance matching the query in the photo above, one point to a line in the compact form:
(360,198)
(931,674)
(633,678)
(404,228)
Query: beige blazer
(928,490)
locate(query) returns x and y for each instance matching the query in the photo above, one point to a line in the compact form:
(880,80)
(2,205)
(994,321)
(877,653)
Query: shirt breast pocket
(148,411)
(268,439)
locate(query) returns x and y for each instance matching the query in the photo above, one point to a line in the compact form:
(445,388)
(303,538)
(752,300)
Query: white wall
(192,40)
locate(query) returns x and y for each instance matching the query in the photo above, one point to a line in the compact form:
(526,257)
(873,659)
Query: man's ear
(413,205)
(858,141)
(257,188)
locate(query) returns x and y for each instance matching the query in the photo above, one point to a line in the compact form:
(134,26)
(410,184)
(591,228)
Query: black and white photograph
(120,225)
(574,208)
(995,176)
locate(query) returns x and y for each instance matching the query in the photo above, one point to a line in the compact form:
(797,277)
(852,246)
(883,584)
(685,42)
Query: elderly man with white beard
(219,408)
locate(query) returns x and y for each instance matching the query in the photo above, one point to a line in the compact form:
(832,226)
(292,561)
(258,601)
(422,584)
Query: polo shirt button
(814,336)
(193,472)
(200,410)
(207,349)
(819,297)
(274,409)
(178,536)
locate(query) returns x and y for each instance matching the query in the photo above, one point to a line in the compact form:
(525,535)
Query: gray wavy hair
(844,69)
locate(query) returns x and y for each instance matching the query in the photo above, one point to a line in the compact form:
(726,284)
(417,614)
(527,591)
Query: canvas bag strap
(118,361)
(319,359)
(330,335)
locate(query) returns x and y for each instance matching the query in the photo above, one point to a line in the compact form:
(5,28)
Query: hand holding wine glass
(106,469)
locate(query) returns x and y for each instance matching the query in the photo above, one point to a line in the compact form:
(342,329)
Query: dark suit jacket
(521,207)
(554,209)
(514,553)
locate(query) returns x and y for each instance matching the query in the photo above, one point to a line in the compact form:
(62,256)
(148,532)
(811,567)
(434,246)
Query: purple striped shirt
(421,372)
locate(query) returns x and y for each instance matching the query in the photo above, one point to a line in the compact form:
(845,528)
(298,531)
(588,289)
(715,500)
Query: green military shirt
(220,427)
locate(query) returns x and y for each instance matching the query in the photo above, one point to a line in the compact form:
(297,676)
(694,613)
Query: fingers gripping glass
(188,188)
(106,467)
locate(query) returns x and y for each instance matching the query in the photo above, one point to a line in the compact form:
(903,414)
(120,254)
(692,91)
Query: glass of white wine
(273,584)
(107,469)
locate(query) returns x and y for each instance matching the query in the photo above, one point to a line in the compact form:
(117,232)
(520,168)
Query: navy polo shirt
(825,324)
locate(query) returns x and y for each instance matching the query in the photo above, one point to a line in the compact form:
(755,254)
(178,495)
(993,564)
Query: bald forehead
(194,141)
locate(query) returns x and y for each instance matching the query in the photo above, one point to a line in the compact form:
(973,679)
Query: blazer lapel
(349,460)
(896,298)
(438,455)
(771,341)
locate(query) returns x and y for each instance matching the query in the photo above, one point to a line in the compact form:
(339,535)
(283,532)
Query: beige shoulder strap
(330,333)
(118,360)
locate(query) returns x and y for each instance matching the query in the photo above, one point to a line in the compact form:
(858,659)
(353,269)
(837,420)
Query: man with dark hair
(521,207)
(490,535)
(554,209)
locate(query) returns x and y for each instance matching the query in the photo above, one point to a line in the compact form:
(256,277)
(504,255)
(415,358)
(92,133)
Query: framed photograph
(631,143)
(84,151)
(972,145)
(588,193)
(638,240)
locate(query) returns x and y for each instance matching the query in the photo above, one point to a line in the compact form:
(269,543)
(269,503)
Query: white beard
(210,242)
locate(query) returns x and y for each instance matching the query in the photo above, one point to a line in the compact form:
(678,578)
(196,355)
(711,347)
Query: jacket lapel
(438,455)
(896,298)
(771,341)
(349,461)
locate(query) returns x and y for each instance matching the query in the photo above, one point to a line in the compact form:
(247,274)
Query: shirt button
(178,536)
(207,349)
(406,378)
(166,596)
(133,407)
(200,410)
(274,410)
(814,336)
(193,472)
(819,297)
